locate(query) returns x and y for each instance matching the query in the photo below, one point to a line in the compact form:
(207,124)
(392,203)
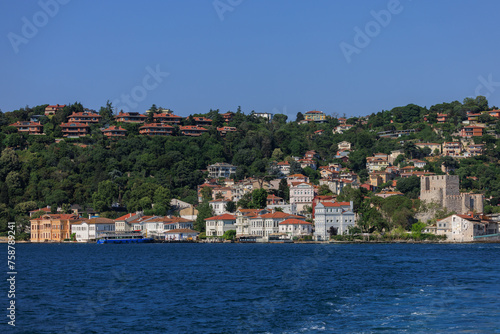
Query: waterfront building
(123,223)
(87,230)
(464,228)
(295,228)
(216,226)
(52,227)
(333,219)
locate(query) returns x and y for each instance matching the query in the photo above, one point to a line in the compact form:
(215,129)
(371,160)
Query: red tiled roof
(297,183)
(204,119)
(297,175)
(140,219)
(227,128)
(222,217)
(272,196)
(131,114)
(156,125)
(293,221)
(100,220)
(277,215)
(114,128)
(128,215)
(336,204)
(175,220)
(85,113)
(19,123)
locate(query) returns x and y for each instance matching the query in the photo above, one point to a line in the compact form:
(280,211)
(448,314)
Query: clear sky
(279,56)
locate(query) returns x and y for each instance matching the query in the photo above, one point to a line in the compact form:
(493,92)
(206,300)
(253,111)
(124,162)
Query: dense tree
(204,212)
(230,206)
(409,186)
(259,198)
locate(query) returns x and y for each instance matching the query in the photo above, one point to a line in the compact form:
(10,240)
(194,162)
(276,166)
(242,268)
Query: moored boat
(132,237)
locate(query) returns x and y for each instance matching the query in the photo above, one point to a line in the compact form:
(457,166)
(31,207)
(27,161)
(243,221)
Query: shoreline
(288,243)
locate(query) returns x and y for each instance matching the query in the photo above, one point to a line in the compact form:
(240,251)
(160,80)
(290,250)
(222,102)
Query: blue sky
(268,56)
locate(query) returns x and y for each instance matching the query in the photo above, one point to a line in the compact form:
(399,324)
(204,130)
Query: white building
(177,223)
(284,167)
(265,115)
(122,224)
(333,218)
(216,226)
(159,226)
(301,194)
(218,206)
(266,224)
(295,227)
(90,229)
(221,170)
(463,228)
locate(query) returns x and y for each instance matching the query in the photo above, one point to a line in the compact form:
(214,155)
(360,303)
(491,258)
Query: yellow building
(315,116)
(52,227)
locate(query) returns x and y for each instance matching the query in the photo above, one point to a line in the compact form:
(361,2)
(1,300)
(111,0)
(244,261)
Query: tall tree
(300,117)
(106,113)
(259,198)
(204,212)
(151,113)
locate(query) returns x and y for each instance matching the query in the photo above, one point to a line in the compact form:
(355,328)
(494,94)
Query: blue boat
(132,237)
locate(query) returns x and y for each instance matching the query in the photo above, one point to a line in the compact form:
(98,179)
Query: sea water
(257,288)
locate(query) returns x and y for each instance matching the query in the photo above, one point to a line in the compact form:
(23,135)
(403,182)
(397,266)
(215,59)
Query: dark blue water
(242,288)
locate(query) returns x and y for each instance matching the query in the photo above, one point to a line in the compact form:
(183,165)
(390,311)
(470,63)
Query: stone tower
(436,187)
(444,190)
